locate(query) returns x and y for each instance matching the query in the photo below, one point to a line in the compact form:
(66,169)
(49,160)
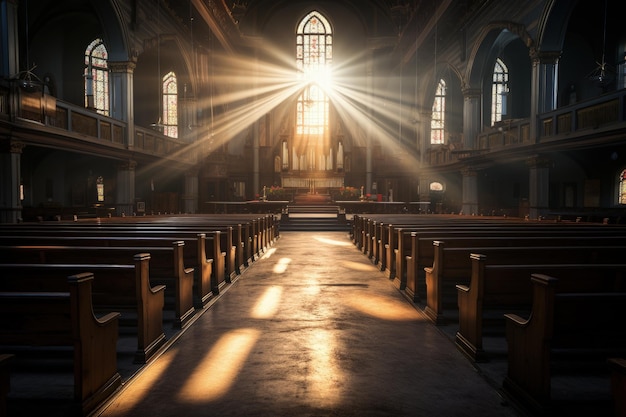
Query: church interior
(474,107)
(218,131)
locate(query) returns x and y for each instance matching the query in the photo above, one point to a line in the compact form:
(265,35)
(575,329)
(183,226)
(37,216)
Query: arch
(553,24)
(493,38)
(115,33)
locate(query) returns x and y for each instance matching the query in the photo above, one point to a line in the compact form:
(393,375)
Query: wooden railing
(601,114)
(17,105)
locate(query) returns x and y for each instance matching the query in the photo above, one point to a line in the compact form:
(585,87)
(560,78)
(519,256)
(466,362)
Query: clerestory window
(170,105)
(438,117)
(97,77)
(622,188)
(499,91)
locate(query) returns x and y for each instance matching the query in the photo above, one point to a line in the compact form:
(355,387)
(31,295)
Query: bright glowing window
(314,48)
(170,105)
(97,77)
(499,91)
(438,118)
(622,188)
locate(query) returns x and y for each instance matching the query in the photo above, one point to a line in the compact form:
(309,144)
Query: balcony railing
(601,114)
(33,106)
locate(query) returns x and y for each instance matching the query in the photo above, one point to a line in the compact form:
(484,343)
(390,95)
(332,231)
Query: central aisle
(311,329)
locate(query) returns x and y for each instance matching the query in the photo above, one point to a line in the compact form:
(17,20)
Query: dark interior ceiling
(380,17)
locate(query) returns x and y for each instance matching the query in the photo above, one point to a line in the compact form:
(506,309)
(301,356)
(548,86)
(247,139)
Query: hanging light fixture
(158,125)
(602,74)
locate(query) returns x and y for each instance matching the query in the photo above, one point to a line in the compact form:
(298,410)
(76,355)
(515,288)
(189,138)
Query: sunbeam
(218,370)
(246,91)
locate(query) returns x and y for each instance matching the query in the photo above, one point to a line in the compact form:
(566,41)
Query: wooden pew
(202,254)
(617,367)
(498,288)
(121,287)
(226,235)
(52,319)
(453,265)
(166,267)
(6,361)
(423,250)
(574,330)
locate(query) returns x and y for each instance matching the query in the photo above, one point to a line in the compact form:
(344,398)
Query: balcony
(43,117)
(564,127)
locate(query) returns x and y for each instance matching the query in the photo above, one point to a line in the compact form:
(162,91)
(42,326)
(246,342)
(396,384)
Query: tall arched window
(622,188)
(314,53)
(97,77)
(438,118)
(170,105)
(499,91)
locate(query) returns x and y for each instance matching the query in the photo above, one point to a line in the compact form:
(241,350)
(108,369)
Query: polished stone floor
(310,329)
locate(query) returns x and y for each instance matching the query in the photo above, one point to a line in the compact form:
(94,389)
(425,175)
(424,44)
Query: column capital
(538,161)
(129,165)
(122,66)
(468,172)
(470,93)
(11,146)
(545,57)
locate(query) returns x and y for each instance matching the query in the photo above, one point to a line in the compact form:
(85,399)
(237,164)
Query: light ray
(215,374)
(247,90)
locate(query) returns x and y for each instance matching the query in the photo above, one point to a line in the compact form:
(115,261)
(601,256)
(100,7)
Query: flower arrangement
(347,194)
(275,193)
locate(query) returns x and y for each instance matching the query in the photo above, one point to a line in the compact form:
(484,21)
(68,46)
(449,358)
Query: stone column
(10,181)
(470,192)
(544,84)
(190,199)
(539,186)
(471,117)
(125,202)
(424,134)
(122,100)
(369,146)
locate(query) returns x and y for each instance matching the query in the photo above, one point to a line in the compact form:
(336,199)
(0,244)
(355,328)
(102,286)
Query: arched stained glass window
(499,91)
(314,53)
(622,188)
(438,118)
(97,77)
(170,105)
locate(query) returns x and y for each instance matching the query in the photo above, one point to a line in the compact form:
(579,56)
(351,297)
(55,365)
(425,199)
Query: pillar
(423,131)
(471,117)
(122,100)
(190,199)
(256,149)
(10,181)
(369,70)
(539,186)
(543,94)
(470,192)
(125,201)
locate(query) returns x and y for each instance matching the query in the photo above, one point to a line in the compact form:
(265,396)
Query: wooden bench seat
(395,244)
(453,265)
(423,251)
(120,287)
(40,320)
(166,267)
(569,334)
(617,367)
(202,254)
(6,362)
(227,245)
(498,288)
